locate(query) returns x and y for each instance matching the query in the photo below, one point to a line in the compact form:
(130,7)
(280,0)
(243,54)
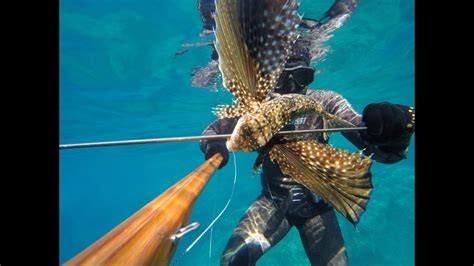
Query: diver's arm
(385,149)
(211,147)
(335,104)
(318,31)
(339,8)
(206,9)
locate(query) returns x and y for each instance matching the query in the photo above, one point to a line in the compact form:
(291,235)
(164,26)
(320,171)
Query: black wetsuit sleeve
(316,32)
(390,152)
(220,126)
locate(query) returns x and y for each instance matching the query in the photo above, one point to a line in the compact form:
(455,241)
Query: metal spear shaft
(193,138)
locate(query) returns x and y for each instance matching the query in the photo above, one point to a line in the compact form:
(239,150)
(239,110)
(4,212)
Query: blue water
(120,79)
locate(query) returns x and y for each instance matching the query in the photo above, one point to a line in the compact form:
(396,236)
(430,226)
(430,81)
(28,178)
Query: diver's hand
(217,146)
(386,122)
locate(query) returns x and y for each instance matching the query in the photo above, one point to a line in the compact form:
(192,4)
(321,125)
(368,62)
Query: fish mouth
(242,138)
(234,143)
(231,145)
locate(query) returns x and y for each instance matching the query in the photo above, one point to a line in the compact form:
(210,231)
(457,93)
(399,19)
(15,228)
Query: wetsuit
(284,203)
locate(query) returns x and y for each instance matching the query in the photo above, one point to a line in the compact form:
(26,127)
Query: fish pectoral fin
(258,163)
(253,41)
(333,121)
(340,177)
(229,111)
(326,135)
(260,158)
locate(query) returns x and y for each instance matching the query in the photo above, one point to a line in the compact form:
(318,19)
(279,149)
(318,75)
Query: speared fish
(254,40)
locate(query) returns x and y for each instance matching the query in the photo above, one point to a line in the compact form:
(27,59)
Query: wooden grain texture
(144,237)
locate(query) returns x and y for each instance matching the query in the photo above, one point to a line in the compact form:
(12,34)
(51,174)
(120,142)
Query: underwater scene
(126,72)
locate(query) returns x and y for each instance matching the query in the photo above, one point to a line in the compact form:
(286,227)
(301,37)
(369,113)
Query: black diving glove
(217,146)
(387,122)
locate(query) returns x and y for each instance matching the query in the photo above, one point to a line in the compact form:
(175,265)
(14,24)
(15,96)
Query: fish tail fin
(340,177)
(333,121)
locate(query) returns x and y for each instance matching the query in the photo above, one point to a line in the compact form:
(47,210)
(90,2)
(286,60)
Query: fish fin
(229,111)
(340,177)
(333,121)
(261,157)
(253,40)
(326,135)
(258,163)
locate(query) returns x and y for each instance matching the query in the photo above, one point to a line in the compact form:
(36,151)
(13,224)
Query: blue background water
(120,79)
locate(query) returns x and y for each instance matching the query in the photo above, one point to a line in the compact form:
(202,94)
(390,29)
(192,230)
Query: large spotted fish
(254,40)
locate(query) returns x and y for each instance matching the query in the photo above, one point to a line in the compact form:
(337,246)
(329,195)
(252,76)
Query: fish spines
(340,177)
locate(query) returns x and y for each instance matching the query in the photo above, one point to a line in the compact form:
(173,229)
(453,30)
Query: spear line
(193,138)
